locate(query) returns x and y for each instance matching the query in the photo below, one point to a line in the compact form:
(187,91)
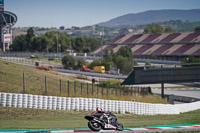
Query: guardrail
(68,103)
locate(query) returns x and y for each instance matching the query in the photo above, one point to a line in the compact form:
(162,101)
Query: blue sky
(55,13)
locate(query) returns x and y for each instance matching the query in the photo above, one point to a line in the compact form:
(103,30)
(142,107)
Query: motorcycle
(105,121)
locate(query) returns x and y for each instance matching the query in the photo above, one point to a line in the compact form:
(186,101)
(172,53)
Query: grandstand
(167,45)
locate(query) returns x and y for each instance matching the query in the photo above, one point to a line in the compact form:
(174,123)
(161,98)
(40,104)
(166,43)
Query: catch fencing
(87,104)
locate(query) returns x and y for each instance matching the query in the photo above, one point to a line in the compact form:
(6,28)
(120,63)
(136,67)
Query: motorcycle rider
(102,115)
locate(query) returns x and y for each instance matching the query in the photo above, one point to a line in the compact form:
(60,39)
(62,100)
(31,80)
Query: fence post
(102,90)
(81,88)
(60,86)
(111,91)
(116,91)
(68,88)
(120,90)
(131,91)
(107,90)
(75,87)
(92,88)
(24,83)
(46,89)
(97,90)
(87,89)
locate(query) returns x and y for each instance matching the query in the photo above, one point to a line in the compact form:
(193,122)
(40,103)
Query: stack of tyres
(40,101)
(68,103)
(86,104)
(9,100)
(30,101)
(14,100)
(19,100)
(49,103)
(35,101)
(58,106)
(54,103)
(63,103)
(45,102)
(25,101)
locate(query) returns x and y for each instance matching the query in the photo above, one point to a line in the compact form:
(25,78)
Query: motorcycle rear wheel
(94,126)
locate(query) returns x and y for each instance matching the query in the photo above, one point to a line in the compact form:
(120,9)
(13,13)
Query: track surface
(186,127)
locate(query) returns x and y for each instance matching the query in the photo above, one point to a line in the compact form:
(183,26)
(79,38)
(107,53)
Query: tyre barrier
(63,103)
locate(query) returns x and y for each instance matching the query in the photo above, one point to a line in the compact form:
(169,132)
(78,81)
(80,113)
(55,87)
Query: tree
(168,30)
(69,62)
(19,43)
(95,63)
(80,44)
(80,63)
(92,43)
(153,28)
(197,29)
(29,36)
(148,64)
(35,44)
(124,64)
(125,51)
(191,59)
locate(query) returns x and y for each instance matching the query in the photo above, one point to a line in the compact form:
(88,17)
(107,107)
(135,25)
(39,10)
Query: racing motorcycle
(105,121)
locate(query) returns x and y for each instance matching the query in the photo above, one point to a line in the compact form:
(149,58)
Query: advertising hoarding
(7,38)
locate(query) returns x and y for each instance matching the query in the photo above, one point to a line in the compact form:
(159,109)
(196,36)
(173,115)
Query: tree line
(123,60)
(54,41)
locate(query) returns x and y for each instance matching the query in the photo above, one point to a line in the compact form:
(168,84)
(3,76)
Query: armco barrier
(63,103)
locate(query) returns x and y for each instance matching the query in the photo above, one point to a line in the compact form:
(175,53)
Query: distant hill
(154,16)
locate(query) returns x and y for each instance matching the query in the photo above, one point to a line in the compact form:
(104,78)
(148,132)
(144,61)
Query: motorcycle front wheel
(119,126)
(94,126)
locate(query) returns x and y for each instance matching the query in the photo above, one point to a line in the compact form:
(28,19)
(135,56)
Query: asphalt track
(168,128)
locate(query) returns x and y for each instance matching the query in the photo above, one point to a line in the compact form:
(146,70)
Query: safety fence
(32,61)
(68,103)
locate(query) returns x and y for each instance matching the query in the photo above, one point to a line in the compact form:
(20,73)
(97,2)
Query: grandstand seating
(124,38)
(152,49)
(162,49)
(196,40)
(133,38)
(180,37)
(117,38)
(197,52)
(150,38)
(169,38)
(192,50)
(131,45)
(165,44)
(99,49)
(109,48)
(143,48)
(182,49)
(141,38)
(159,38)
(135,48)
(172,49)
(117,48)
(190,37)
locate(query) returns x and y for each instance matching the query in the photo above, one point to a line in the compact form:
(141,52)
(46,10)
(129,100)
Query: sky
(56,13)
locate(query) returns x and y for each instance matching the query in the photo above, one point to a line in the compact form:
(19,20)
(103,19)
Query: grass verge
(18,118)
(11,81)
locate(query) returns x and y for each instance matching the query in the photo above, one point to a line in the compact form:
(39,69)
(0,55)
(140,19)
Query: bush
(110,83)
(69,62)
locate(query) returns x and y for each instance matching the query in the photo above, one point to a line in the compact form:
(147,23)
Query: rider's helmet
(99,109)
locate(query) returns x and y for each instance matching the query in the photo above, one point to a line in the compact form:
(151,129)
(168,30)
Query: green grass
(18,118)
(11,81)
